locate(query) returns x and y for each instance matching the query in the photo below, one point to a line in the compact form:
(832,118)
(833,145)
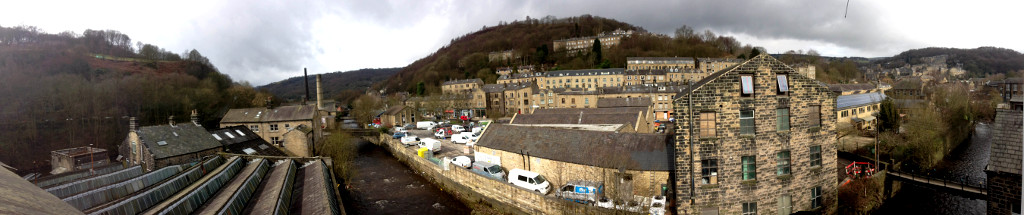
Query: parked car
(489,170)
(443,133)
(410,140)
(409,126)
(462,161)
(462,138)
(529,180)
(399,129)
(426,125)
(399,135)
(475,136)
(458,128)
(432,144)
(582,191)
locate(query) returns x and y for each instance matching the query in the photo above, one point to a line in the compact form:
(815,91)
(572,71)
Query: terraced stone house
(755,138)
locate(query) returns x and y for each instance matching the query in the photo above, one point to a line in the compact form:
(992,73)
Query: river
(383,185)
(968,160)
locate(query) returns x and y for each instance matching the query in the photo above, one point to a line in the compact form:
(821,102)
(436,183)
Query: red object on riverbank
(859,169)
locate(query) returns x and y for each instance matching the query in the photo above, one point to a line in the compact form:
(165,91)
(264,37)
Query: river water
(383,185)
(967,161)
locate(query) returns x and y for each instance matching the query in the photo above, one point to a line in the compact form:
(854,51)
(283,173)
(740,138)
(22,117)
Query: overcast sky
(266,41)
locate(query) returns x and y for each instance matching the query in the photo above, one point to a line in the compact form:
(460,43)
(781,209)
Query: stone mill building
(755,138)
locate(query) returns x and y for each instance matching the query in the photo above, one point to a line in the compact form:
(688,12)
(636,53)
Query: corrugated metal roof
(633,151)
(857,100)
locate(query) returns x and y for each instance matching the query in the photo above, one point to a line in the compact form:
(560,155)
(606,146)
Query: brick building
(756,137)
(1004,166)
(588,79)
(578,44)
(711,65)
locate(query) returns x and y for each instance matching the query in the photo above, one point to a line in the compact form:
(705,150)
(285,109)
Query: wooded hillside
(467,56)
(978,62)
(336,85)
(69,90)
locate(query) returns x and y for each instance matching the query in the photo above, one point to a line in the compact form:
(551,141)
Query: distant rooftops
(464,81)
(659,60)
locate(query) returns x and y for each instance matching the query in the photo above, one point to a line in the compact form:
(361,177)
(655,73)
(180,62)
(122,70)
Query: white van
(529,180)
(432,144)
(458,128)
(426,125)
(462,138)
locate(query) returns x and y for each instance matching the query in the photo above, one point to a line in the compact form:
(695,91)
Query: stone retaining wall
(472,188)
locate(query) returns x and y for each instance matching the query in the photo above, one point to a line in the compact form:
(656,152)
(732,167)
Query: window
(286,126)
(782,166)
(707,125)
(709,171)
(563,100)
(551,101)
(273,128)
(749,168)
(747,84)
(749,208)
(275,140)
(254,128)
(747,122)
(783,84)
(815,156)
(782,119)
(846,113)
(814,117)
(785,204)
(586,101)
(816,197)
(573,100)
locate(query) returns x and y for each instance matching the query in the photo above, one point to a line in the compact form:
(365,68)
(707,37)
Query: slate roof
(277,114)
(857,100)
(633,151)
(394,110)
(908,84)
(22,197)
(646,72)
(620,115)
(463,81)
(494,88)
(582,72)
(623,102)
(236,143)
(850,87)
(1006,142)
(181,139)
(751,65)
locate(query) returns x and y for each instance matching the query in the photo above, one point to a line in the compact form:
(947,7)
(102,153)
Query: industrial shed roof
(633,151)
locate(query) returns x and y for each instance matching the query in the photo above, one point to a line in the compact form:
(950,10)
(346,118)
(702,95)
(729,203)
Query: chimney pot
(131,124)
(195,118)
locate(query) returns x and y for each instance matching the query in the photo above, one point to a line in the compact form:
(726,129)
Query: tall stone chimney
(131,124)
(319,94)
(305,76)
(170,120)
(195,118)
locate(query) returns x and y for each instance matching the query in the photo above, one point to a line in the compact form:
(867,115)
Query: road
(448,148)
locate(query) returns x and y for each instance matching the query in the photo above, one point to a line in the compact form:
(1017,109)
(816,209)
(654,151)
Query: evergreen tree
(888,116)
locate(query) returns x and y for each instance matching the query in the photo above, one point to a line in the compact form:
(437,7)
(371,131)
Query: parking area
(448,148)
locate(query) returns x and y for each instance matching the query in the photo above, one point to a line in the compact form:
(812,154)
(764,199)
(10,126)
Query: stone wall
(472,188)
(722,96)
(1003,192)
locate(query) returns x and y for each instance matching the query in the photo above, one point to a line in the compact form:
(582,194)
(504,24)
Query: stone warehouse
(1004,166)
(627,163)
(158,146)
(272,123)
(756,137)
